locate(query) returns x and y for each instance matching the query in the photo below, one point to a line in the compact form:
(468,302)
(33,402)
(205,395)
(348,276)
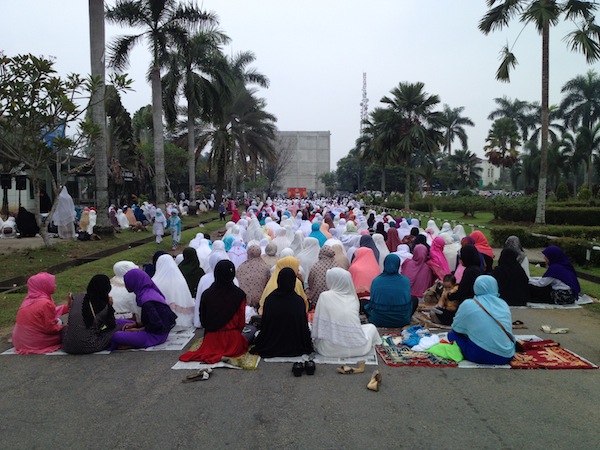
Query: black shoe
(310,367)
(297,369)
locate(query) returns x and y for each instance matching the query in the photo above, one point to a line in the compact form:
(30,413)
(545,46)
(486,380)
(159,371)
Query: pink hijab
(437,261)
(364,269)
(418,272)
(40,287)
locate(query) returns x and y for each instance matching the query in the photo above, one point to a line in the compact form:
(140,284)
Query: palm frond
(118,50)
(585,40)
(509,62)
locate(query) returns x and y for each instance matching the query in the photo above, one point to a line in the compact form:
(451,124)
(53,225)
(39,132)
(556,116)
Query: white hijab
(123,300)
(336,316)
(309,254)
(383,250)
(403,252)
(64,214)
(281,240)
(171,282)
(237,253)
(297,242)
(92,222)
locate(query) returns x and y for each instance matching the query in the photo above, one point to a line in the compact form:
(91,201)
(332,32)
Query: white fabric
(383,250)
(160,222)
(92,222)
(281,240)
(403,252)
(122,219)
(336,329)
(460,231)
(309,254)
(123,301)
(64,214)
(297,242)
(237,253)
(203,251)
(426,342)
(171,282)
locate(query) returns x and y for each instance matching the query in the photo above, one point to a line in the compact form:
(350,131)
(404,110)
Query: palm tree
(162,23)
(465,169)
(503,141)
(572,154)
(420,125)
(588,143)
(555,122)
(581,109)
(544,14)
(199,69)
(517,110)
(453,123)
(98,115)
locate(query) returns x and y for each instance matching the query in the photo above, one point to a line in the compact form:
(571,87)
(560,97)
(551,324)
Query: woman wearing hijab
(451,249)
(289,262)
(297,242)
(337,331)
(383,250)
(270,257)
(237,253)
(37,328)
(460,231)
(156,320)
(393,241)
(317,278)
(171,282)
(222,313)
(403,252)
(112,215)
(483,247)
(482,325)
(364,269)
(437,261)
(470,259)
(513,284)
(379,229)
(559,284)
(26,223)
(91,319)
(253,275)
(151,268)
(284,326)
(206,281)
(340,256)
(309,254)
(371,220)
(64,215)
(317,234)
(367,241)
(391,303)
(122,300)
(514,243)
(418,272)
(191,270)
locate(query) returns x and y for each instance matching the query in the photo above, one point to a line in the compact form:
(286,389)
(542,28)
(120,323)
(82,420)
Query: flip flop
(348,370)
(548,329)
(202,375)
(517,324)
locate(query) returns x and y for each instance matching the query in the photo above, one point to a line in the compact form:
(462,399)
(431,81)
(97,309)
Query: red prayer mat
(550,358)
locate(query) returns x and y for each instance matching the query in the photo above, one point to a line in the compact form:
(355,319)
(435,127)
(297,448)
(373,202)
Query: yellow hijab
(294,264)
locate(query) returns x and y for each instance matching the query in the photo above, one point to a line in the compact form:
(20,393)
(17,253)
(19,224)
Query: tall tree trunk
(590,169)
(98,114)
(382,179)
(540,213)
(407,189)
(192,156)
(159,144)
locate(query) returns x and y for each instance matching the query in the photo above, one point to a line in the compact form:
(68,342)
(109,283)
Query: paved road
(134,400)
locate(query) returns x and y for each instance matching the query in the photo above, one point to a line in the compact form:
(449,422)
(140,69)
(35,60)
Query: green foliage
(577,232)
(584,194)
(562,192)
(520,209)
(465,193)
(589,216)
(500,233)
(329,179)
(576,250)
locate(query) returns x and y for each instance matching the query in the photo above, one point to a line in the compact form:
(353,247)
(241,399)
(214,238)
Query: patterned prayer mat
(247,362)
(392,353)
(550,358)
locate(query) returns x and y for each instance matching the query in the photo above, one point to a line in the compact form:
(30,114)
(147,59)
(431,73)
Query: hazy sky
(315,52)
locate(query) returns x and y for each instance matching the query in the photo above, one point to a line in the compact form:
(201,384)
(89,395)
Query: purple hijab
(139,282)
(561,268)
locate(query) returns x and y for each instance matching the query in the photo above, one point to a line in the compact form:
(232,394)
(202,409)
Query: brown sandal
(348,370)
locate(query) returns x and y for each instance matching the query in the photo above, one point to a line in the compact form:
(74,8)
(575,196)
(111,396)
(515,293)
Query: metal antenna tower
(364,104)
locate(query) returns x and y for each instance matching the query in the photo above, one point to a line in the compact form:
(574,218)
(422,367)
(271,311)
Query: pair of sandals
(548,329)
(309,366)
(375,380)
(202,375)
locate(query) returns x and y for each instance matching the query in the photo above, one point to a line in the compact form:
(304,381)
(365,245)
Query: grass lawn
(76,279)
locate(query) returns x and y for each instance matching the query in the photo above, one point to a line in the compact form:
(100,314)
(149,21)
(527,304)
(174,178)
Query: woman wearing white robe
(309,254)
(64,215)
(337,331)
(297,242)
(92,222)
(203,251)
(123,300)
(451,249)
(171,282)
(383,250)
(122,219)
(237,253)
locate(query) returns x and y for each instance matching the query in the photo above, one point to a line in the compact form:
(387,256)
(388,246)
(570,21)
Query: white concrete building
(490,173)
(310,154)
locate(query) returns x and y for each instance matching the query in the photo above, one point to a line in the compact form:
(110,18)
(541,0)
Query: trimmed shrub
(576,232)
(576,250)
(584,194)
(562,192)
(520,209)
(499,235)
(573,216)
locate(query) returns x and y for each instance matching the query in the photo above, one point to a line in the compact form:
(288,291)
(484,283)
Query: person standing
(174,224)
(158,227)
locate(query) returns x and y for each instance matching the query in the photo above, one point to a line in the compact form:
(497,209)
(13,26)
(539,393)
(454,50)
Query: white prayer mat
(193,365)
(177,340)
(370,359)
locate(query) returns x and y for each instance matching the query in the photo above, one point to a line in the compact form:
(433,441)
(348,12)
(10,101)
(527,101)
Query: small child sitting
(445,309)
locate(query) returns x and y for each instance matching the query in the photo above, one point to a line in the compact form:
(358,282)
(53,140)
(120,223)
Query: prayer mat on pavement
(370,359)
(247,362)
(394,354)
(552,357)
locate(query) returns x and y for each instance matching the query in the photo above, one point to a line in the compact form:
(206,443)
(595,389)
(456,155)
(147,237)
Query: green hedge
(577,232)
(499,235)
(573,216)
(521,209)
(576,250)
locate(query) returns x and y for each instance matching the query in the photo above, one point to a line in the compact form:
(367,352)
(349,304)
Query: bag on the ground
(562,296)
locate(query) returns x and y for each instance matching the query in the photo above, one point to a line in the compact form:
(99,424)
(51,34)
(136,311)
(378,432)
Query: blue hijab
(317,234)
(561,268)
(390,291)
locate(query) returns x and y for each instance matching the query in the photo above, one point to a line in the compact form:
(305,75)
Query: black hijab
(381,230)
(26,223)
(222,299)
(150,269)
(96,310)
(513,283)
(420,239)
(367,241)
(284,329)
(191,270)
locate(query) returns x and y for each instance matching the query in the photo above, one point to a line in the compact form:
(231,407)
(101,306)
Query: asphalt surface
(135,400)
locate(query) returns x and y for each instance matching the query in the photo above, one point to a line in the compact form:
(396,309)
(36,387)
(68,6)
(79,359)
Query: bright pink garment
(36,329)
(364,269)
(418,272)
(437,261)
